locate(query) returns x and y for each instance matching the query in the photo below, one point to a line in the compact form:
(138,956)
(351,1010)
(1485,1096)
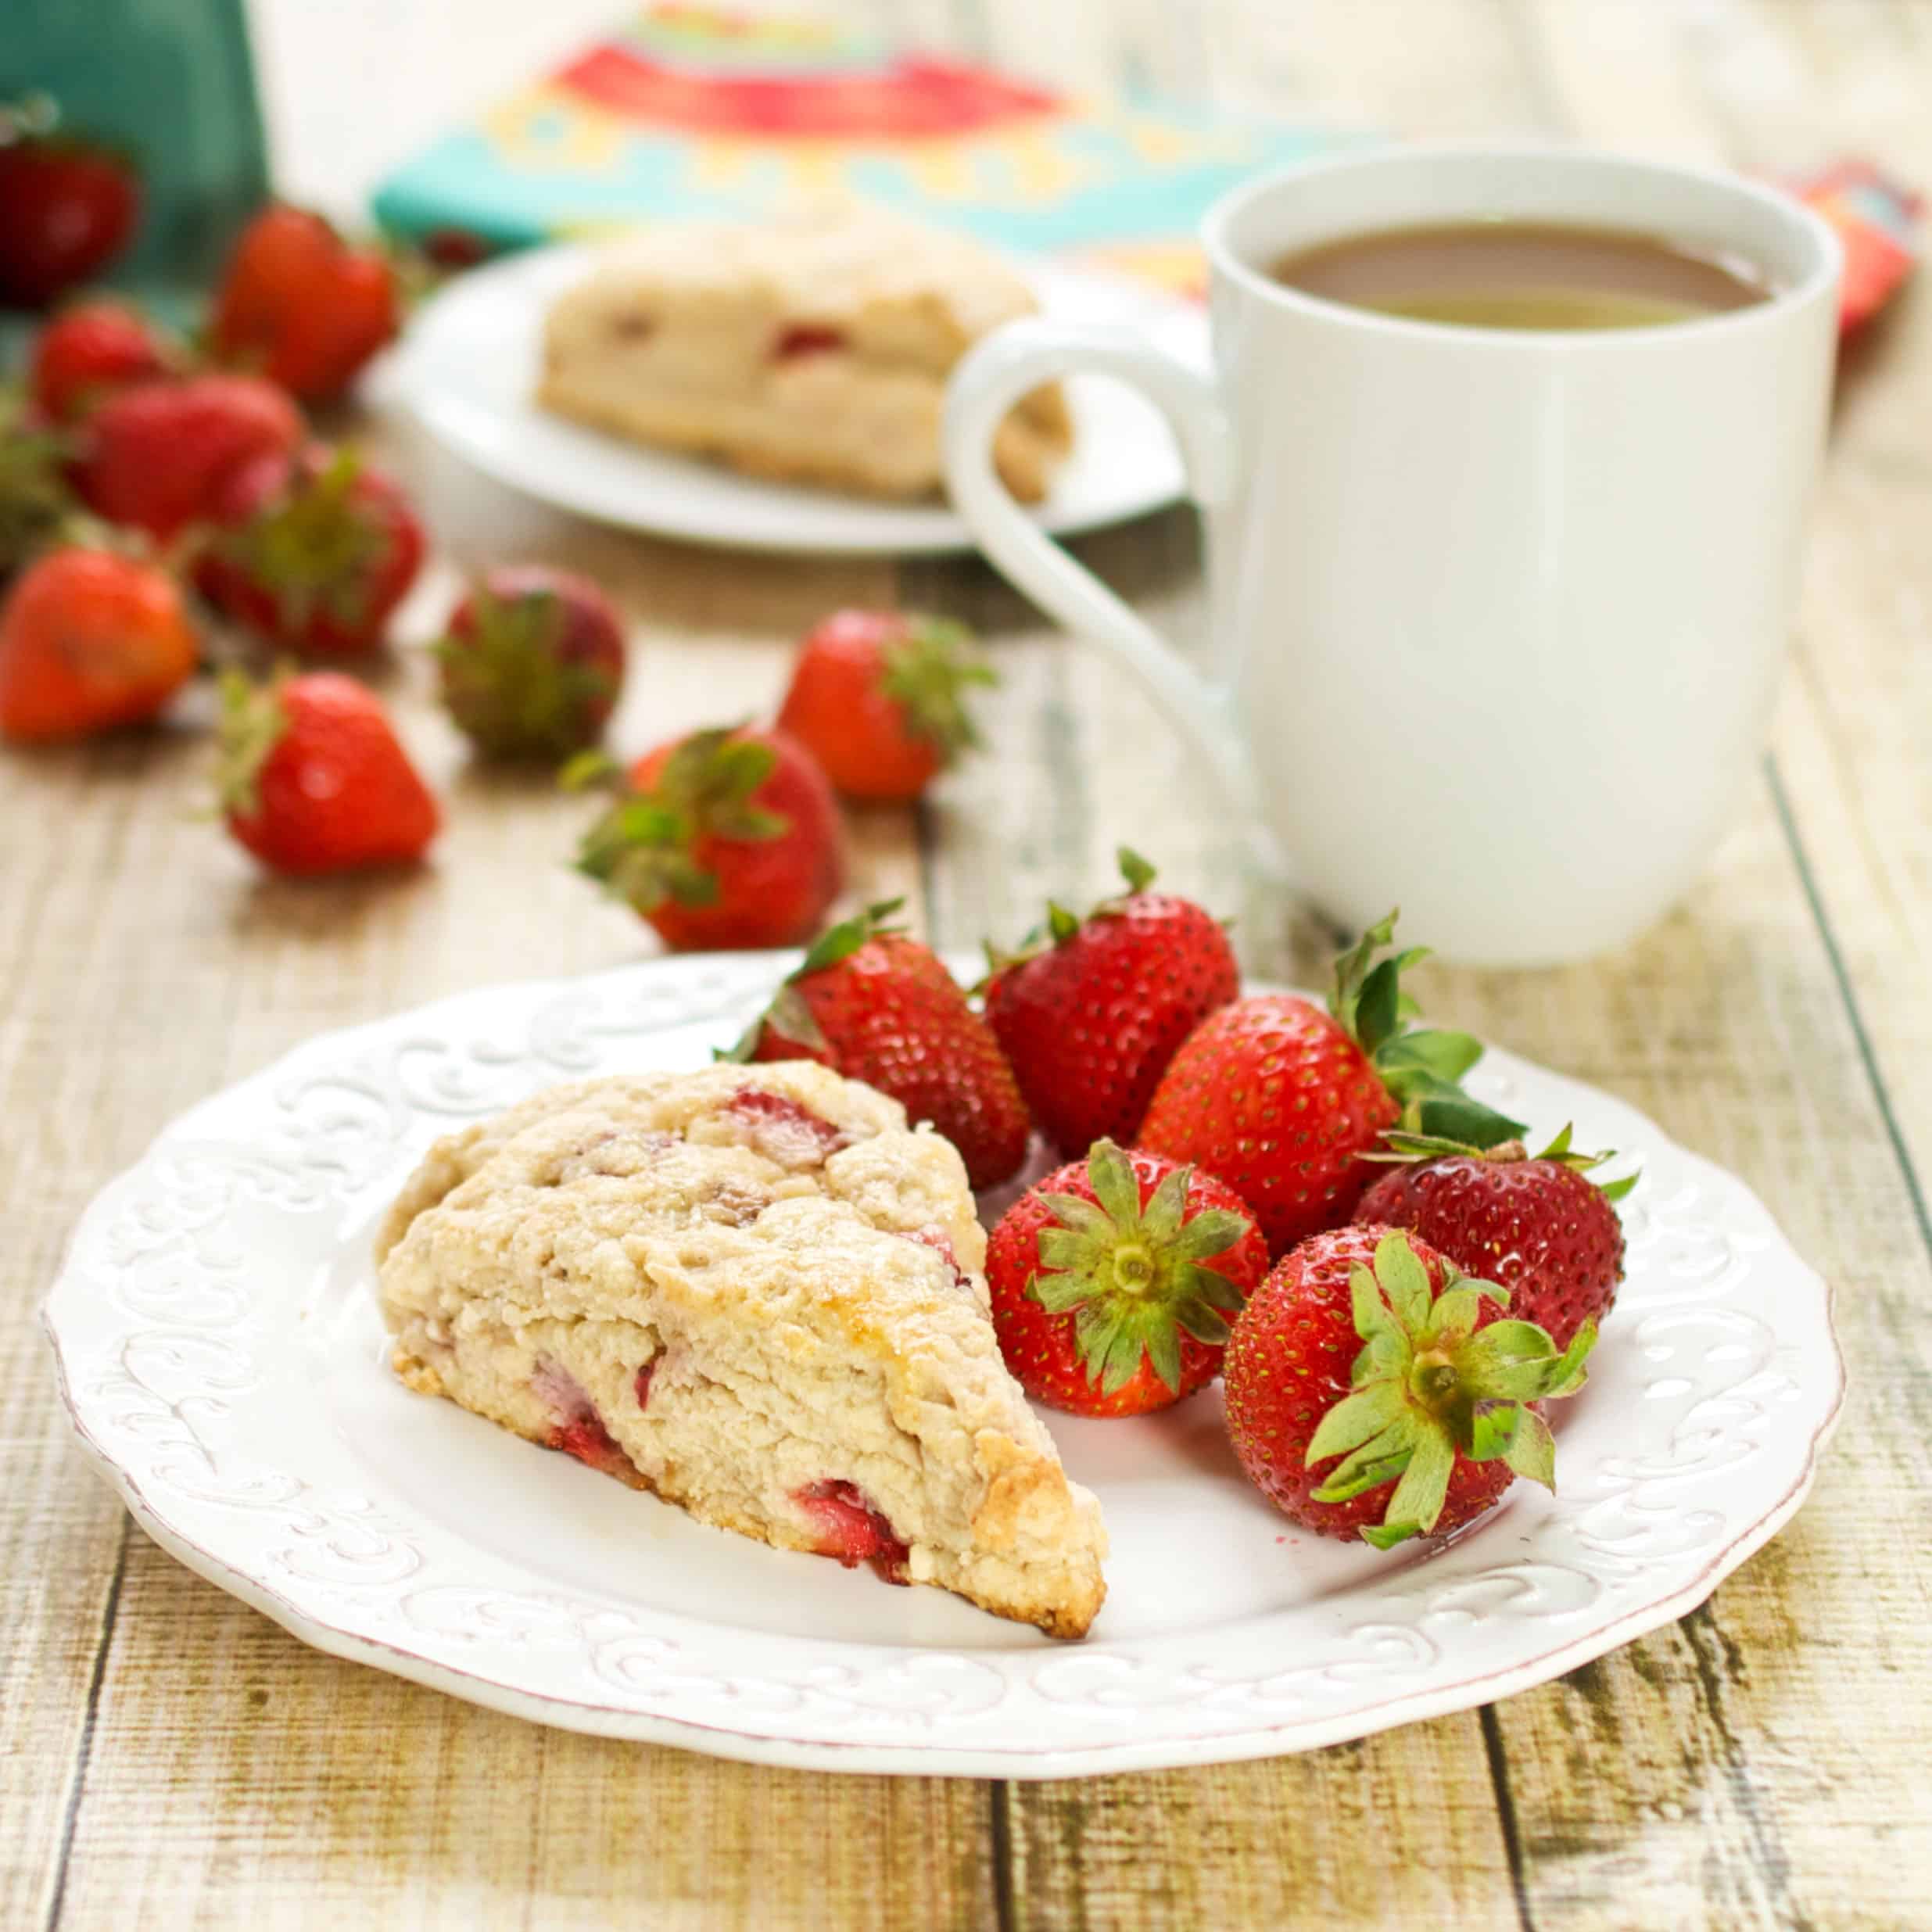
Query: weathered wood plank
(240,1779)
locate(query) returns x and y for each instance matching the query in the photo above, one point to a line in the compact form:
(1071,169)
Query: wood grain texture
(168,1758)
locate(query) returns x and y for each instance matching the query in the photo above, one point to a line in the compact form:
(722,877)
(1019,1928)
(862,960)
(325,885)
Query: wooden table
(169,1758)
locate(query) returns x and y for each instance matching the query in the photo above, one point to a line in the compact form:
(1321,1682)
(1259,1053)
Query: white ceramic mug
(1495,615)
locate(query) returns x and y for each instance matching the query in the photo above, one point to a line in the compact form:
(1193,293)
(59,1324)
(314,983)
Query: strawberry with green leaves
(1372,1390)
(312,551)
(1283,1100)
(532,661)
(878,698)
(726,837)
(1092,1010)
(312,779)
(1114,1278)
(873,1003)
(1538,1226)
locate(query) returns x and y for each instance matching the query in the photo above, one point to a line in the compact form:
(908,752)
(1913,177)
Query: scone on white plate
(814,349)
(753,1291)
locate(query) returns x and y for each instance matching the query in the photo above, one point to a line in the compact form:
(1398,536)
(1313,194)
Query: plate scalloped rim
(159,1330)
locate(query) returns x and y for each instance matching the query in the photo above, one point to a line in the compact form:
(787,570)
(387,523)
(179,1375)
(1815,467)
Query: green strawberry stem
(1429,1385)
(789,1015)
(926,673)
(642,848)
(1132,1277)
(1060,925)
(1420,1066)
(1400,1147)
(507,687)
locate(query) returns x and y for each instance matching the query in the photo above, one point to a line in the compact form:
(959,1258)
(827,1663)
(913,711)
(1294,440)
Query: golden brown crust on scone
(746,1289)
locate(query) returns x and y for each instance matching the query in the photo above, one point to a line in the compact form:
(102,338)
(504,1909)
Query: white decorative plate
(220,1354)
(467,369)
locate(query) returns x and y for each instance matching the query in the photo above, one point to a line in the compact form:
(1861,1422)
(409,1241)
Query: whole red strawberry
(1282,1100)
(727,837)
(158,454)
(875,1005)
(532,662)
(1113,1279)
(876,698)
(312,551)
(1539,1228)
(1371,1390)
(88,351)
(1091,1011)
(71,205)
(312,779)
(297,304)
(90,638)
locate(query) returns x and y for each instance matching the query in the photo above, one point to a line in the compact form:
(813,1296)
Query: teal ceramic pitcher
(170,82)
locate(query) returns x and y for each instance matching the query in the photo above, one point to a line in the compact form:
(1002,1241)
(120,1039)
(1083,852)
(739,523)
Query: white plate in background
(467,370)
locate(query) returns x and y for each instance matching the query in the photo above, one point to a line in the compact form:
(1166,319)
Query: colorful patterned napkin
(691,110)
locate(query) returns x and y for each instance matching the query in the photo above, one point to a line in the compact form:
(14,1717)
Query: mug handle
(989,380)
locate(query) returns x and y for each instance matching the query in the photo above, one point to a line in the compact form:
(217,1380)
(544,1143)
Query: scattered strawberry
(91,639)
(532,662)
(876,696)
(88,351)
(1281,1100)
(875,1005)
(1112,1281)
(313,780)
(1365,1345)
(297,304)
(312,551)
(1091,1011)
(728,837)
(35,497)
(158,454)
(1538,1228)
(71,204)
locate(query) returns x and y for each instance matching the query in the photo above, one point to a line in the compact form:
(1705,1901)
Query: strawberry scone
(752,1290)
(812,349)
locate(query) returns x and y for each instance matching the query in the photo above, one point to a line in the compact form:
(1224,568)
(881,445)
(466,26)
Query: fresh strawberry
(312,779)
(727,837)
(1112,1280)
(71,204)
(158,454)
(1091,1011)
(1538,1228)
(312,551)
(1365,1345)
(1282,1100)
(876,1005)
(87,352)
(297,304)
(532,662)
(876,698)
(91,639)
